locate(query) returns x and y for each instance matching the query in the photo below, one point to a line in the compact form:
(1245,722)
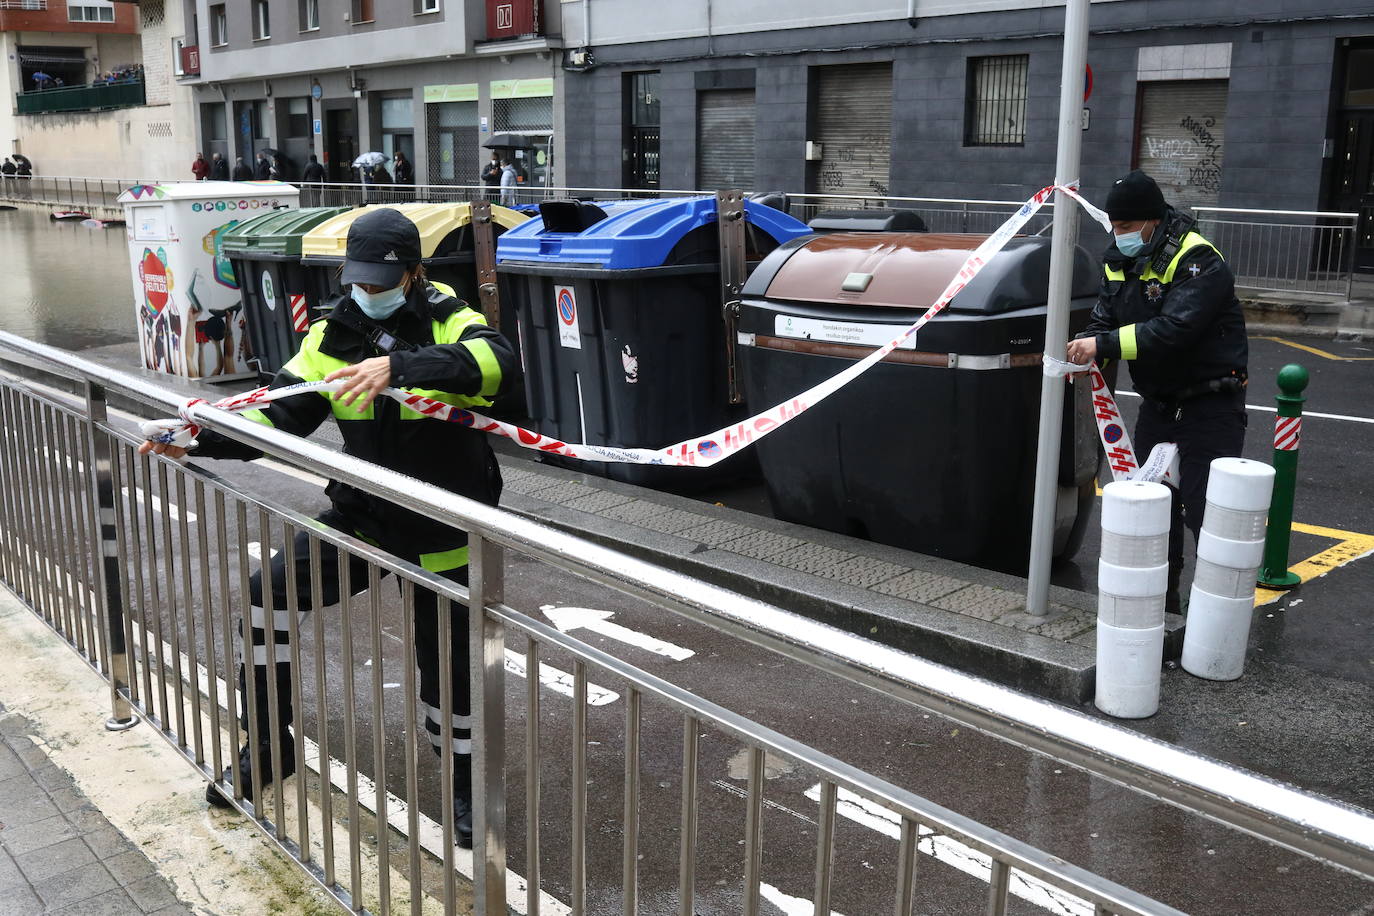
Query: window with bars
(642,130)
(995,110)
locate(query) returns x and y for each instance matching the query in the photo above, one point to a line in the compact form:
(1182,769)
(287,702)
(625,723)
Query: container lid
(436,222)
(206,190)
(635,233)
(910,270)
(276,233)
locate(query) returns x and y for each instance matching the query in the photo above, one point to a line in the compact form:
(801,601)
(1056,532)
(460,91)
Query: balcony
(512,19)
(38,5)
(120,94)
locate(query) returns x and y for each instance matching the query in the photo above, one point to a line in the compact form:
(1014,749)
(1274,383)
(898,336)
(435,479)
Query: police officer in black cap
(1168,307)
(391,328)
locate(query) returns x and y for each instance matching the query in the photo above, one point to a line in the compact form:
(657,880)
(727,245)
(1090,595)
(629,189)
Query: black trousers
(426,620)
(1207,427)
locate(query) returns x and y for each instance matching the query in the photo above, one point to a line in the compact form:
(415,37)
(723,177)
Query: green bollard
(1287,435)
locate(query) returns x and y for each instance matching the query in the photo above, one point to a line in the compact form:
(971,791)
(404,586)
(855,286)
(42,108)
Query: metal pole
(1287,435)
(1062,247)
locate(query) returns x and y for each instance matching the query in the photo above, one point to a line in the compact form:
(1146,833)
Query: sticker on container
(843,332)
(565,303)
(269,293)
(631,364)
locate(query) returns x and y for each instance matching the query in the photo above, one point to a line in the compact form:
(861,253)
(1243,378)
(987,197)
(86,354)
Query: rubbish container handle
(484,256)
(730,227)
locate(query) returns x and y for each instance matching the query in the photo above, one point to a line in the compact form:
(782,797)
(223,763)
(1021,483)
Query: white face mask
(378,306)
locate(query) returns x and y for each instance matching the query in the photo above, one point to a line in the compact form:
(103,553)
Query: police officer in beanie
(392,328)
(1168,307)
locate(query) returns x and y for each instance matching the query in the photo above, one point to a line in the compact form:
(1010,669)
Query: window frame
(219,22)
(303,12)
(427,7)
(262,20)
(998,100)
(100,11)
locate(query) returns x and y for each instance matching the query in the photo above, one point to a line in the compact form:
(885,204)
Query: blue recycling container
(621,331)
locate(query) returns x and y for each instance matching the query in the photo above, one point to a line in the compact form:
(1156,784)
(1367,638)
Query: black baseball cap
(382,244)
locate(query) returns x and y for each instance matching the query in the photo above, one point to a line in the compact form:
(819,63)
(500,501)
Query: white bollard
(1229,551)
(1132,578)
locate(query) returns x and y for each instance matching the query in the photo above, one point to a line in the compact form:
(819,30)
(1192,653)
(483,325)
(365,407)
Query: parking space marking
(1349,546)
(1316,352)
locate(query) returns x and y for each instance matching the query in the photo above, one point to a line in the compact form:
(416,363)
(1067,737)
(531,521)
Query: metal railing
(1285,251)
(126,93)
(68,192)
(143,566)
(36,5)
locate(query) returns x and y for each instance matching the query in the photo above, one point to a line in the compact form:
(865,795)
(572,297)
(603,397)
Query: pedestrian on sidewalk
(491,176)
(1168,307)
(509,179)
(241,170)
(311,180)
(393,327)
(8,169)
(200,168)
(262,171)
(219,169)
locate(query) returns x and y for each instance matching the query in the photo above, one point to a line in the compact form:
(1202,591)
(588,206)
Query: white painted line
(1263,409)
(767,802)
(172,509)
(280,467)
(430,832)
(585,618)
(255,551)
(790,906)
(953,853)
(559,681)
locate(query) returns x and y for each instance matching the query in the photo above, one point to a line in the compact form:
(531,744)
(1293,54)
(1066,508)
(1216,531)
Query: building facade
(1265,105)
(435,79)
(92,88)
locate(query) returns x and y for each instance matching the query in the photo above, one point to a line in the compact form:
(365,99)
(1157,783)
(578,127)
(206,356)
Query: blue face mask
(378,306)
(1130,244)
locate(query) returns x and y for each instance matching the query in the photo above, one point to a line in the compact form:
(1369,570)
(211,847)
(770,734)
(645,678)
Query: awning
(52,56)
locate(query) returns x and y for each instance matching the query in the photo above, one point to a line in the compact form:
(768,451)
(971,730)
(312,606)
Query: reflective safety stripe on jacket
(1190,242)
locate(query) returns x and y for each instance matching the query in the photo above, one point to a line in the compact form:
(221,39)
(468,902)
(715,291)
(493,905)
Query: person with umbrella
(41,80)
(365,165)
(491,176)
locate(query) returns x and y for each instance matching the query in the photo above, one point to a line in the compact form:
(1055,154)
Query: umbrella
(269,151)
(21,159)
(369,160)
(39,76)
(510,141)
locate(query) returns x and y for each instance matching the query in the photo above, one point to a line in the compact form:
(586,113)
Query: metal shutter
(1182,138)
(854,128)
(725,139)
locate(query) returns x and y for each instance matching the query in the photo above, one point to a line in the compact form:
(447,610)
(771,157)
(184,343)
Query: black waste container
(278,302)
(874,220)
(621,331)
(933,449)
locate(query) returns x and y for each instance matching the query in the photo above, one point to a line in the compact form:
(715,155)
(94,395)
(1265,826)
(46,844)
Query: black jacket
(1176,320)
(440,452)
(263,170)
(242,172)
(219,170)
(405,172)
(313,172)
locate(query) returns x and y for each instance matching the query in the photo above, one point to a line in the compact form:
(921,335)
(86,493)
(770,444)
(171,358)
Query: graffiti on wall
(1190,163)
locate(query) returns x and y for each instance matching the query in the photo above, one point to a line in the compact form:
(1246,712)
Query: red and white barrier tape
(1287,433)
(696,452)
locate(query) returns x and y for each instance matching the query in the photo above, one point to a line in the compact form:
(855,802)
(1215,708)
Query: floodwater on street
(65,284)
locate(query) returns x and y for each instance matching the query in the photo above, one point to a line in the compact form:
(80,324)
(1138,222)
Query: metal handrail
(1333,214)
(1334,833)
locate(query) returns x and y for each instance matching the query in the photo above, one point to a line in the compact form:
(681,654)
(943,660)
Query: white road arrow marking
(559,681)
(953,853)
(585,618)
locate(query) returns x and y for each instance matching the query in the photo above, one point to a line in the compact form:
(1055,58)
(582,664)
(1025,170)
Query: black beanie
(1135,197)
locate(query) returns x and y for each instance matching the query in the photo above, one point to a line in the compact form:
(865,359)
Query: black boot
(462,801)
(263,757)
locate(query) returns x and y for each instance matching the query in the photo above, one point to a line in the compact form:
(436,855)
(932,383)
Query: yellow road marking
(1349,546)
(1316,352)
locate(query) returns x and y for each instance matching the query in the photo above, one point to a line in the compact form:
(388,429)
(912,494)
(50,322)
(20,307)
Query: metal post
(730,228)
(1287,435)
(1062,247)
(109,594)
(488,639)
(484,250)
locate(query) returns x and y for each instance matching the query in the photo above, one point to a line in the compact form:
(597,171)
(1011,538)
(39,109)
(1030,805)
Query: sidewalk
(100,823)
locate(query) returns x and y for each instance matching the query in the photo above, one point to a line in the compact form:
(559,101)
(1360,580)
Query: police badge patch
(1154,291)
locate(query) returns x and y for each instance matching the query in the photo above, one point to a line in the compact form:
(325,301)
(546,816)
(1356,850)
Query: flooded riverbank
(64,284)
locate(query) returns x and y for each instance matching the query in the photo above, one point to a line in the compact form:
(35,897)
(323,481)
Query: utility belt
(1173,405)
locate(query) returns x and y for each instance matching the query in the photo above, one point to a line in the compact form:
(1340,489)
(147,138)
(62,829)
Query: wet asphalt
(1302,714)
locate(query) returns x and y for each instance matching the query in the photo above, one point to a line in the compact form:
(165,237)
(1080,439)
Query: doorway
(1352,186)
(341,143)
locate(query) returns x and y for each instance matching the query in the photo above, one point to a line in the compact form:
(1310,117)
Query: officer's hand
(362,381)
(161,448)
(1083,350)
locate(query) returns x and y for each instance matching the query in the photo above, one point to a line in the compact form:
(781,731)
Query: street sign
(1087,82)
